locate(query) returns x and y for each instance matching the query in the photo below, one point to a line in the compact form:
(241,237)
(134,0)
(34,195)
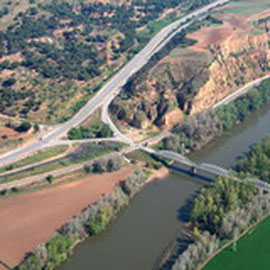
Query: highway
(112,87)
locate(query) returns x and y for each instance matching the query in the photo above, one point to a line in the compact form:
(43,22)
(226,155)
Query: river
(139,235)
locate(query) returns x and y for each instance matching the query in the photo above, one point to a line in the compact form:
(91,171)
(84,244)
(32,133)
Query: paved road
(240,92)
(97,140)
(111,88)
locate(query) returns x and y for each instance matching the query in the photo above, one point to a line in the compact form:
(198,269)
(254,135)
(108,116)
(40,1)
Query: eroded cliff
(192,79)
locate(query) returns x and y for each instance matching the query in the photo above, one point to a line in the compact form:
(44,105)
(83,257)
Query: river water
(139,235)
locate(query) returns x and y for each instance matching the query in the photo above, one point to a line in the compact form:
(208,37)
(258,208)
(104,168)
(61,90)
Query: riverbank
(222,119)
(91,221)
(157,208)
(225,212)
(31,219)
(158,174)
(162,173)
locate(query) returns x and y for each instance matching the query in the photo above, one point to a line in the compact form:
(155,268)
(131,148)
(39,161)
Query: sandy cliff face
(193,79)
(240,59)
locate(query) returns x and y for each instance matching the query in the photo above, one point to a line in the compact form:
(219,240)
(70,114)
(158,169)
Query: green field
(252,251)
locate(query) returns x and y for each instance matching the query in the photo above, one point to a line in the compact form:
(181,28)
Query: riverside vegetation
(93,220)
(226,208)
(256,162)
(199,129)
(220,213)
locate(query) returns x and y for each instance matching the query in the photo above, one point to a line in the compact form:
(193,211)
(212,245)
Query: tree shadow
(182,241)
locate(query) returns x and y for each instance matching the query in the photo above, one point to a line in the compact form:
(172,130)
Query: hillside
(55,55)
(227,50)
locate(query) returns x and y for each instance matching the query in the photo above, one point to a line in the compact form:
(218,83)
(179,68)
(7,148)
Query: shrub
(24,126)
(98,222)
(9,82)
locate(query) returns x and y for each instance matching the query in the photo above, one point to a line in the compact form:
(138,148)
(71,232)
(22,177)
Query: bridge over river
(206,171)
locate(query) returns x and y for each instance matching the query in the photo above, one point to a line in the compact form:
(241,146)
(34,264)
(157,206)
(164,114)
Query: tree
(98,223)
(105,131)
(9,82)
(24,126)
(49,179)
(98,167)
(36,128)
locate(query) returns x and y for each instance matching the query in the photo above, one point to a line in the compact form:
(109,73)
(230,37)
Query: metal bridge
(208,168)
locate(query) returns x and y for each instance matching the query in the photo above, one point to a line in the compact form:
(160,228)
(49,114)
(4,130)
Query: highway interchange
(106,94)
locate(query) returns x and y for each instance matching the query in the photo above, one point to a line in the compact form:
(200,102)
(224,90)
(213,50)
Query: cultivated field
(251,251)
(31,219)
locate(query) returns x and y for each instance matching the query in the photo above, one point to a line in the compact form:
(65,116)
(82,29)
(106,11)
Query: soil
(31,219)
(232,24)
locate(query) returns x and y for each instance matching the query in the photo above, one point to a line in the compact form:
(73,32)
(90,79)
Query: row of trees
(93,150)
(104,165)
(93,220)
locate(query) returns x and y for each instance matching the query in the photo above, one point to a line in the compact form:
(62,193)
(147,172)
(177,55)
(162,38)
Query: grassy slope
(37,157)
(252,252)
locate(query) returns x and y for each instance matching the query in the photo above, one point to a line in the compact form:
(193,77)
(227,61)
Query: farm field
(252,251)
(31,219)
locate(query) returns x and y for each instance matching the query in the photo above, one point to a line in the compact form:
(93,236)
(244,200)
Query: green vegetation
(24,126)
(241,108)
(104,165)
(250,252)
(256,163)
(216,201)
(49,179)
(101,130)
(91,128)
(93,220)
(37,157)
(56,251)
(98,223)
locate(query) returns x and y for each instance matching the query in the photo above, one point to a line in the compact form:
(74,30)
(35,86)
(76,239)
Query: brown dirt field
(232,24)
(31,219)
